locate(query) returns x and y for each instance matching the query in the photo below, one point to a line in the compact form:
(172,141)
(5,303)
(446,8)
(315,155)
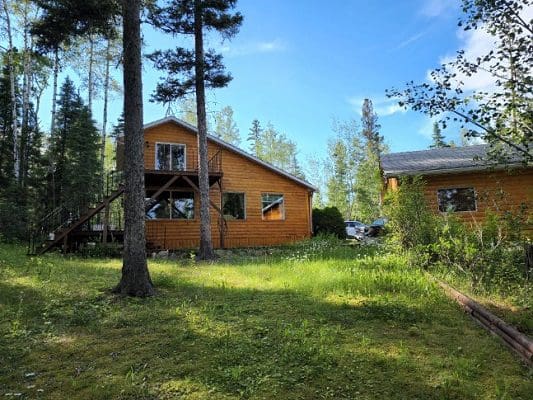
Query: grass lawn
(303,323)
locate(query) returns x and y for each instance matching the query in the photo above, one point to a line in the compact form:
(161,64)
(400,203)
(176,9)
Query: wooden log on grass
(517,340)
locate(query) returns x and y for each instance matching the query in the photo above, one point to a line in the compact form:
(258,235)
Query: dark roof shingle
(433,160)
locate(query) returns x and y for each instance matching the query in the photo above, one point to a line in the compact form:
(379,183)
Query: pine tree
(254,138)
(438,137)
(74,151)
(195,70)
(368,183)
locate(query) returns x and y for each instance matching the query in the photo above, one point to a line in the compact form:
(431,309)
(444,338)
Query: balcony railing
(214,164)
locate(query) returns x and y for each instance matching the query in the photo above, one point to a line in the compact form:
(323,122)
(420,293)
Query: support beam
(197,190)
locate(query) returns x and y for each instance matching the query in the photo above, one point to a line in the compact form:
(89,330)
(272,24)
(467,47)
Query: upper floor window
(233,205)
(456,199)
(169,156)
(272,207)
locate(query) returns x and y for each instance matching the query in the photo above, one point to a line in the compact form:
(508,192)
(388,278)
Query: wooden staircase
(56,227)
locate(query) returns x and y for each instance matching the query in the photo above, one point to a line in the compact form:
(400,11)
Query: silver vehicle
(355,229)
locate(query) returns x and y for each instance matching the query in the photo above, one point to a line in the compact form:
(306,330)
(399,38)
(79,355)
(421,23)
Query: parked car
(377,227)
(355,229)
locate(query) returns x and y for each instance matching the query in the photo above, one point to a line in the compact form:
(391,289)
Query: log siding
(239,175)
(497,191)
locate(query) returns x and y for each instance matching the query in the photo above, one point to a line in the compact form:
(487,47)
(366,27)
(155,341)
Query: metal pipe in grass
(516,340)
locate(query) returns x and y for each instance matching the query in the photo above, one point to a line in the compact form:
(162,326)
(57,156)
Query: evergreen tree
(254,138)
(226,128)
(74,151)
(368,183)
(438,137)
(196,70)
(370,128)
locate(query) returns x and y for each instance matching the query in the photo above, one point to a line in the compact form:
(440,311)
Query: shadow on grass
(194,341)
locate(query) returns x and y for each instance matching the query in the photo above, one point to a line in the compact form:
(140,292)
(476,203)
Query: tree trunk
(11,67)
(206,245)
(26,88)
(54,90)
(104,119)
(90,77)
(135,279)
(529,261)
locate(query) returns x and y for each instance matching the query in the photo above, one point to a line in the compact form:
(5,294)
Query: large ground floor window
(456,199)
(172,205)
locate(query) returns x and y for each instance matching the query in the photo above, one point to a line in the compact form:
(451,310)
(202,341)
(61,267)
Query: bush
(486,253)
(410,220)
(329,221)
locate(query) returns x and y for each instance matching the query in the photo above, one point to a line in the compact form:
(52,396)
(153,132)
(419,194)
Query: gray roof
(231,147)
(437,161)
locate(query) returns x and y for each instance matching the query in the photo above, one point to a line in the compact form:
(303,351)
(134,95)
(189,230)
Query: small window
(173,205)
(272,207)
(456,199)
(169,157)
(233,206)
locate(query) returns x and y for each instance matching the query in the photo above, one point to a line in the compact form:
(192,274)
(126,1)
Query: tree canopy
(502,114)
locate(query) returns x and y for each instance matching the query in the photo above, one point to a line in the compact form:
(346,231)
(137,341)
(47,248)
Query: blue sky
(301,63)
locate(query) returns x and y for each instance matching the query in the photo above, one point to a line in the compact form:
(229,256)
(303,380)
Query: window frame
(244,205)
(171,144)
(180,190)
(284,215)
(458,188)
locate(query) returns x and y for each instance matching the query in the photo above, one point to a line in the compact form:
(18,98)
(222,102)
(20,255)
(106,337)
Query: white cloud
(426,129)
(411,39)
(382,106)
(272,46)
(477,43)
(436,8)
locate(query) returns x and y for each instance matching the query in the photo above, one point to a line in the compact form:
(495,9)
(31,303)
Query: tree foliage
(274,147)
(438,137)
(226,127)
(503,114)
(74,147)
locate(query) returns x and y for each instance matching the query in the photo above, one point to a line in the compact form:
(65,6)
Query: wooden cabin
(459,181)
(253,203)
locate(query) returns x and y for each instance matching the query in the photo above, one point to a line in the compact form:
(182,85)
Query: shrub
(487,252)
(328,221)
(411,222)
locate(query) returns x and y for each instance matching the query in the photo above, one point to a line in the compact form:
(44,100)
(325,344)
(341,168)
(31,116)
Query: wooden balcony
(156,178)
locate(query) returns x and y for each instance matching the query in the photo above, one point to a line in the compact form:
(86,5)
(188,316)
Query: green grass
(301,323)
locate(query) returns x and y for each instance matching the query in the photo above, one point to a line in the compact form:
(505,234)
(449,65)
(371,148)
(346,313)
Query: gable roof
(230,147)
(439,161)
